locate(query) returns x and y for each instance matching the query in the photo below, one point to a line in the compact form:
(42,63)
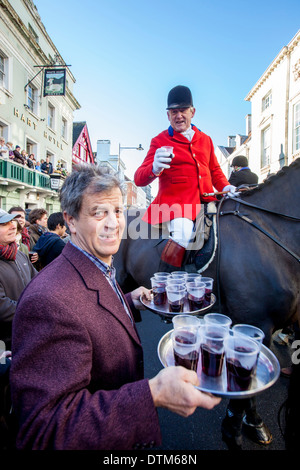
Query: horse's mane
(271,179)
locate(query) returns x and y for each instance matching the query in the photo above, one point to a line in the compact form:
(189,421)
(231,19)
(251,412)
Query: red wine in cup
(159,296)
(176,307)
(189,360)
(195,303)
(238,378)
(212,362)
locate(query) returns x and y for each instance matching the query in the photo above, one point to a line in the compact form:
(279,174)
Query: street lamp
(127,148)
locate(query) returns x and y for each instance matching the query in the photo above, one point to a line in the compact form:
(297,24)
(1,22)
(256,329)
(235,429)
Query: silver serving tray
(267,372)
(163,310)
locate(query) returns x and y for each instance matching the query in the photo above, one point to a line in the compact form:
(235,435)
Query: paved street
(201,431)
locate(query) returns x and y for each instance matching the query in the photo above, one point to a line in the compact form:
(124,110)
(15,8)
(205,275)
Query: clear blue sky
(126,55)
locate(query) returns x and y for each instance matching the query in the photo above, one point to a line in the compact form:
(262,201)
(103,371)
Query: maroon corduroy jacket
(77,370)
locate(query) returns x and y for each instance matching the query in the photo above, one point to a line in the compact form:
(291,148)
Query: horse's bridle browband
(250,221)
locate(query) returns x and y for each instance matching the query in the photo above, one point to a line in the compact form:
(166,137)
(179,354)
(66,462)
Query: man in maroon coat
(77,371)
(184,175)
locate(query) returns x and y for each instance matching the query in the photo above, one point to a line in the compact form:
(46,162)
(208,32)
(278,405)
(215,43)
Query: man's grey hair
(86,178)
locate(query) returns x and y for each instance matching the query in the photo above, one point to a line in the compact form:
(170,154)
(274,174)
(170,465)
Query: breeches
(181,230)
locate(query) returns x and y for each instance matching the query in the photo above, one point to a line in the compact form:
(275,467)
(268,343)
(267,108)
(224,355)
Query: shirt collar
(107,269)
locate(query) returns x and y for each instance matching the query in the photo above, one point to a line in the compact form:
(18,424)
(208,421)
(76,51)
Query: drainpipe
(287,99)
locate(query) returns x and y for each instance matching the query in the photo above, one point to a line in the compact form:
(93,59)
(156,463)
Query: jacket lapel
(95,280)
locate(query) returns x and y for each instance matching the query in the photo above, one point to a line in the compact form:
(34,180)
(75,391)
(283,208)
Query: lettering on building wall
(32,124)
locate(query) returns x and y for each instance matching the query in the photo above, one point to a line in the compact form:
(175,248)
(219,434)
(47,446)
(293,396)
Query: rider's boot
(172,256)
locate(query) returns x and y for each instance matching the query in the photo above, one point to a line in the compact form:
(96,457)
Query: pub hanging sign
(54,82)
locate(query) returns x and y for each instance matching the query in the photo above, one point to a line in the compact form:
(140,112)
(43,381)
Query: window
(2,75)
(31,98)
(64,128)
(297,127)
(267,100)
(266,146)
(51,115)
(4,130)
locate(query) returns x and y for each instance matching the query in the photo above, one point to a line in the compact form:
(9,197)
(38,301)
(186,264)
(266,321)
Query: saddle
(206,234)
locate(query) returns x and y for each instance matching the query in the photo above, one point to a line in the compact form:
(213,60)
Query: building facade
(274,139)
(134,196)
(82,148)
(112,162)
(42,125)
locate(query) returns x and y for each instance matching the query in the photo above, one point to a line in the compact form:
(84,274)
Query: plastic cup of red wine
(161,275)
(178,274)
(193,277)
(212,347)
(209,282)
(169,150)
(249,330)
(186,344)
(175,297)
(158,291)
(195,294)
(217,319)
(186,321)
(241,353)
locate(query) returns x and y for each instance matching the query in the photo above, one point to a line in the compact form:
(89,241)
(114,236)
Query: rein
(251,222)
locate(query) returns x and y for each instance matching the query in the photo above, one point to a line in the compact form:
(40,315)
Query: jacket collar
(171,131)
(95,280)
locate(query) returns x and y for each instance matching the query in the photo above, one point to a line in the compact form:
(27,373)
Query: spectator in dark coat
(241,172)
(47,167)
(37,219)
(16,271)
(50,244)
(18,157)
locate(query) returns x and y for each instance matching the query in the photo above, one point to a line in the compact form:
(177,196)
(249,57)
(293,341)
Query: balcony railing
(15,173)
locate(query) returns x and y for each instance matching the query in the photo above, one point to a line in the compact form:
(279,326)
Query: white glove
(232,190)
(161,160)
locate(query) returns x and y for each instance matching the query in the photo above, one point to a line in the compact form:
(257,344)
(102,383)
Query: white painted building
(39,124)
(273,140)
(275,109)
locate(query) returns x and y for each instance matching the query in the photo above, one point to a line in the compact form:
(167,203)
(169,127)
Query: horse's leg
(240,414)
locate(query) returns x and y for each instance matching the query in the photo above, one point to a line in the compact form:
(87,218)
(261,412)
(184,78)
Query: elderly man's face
(180,119)
(100,225)
(8,232)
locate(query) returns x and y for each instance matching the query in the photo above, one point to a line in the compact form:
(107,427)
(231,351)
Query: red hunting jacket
(194,170)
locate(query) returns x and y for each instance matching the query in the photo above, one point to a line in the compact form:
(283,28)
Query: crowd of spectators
(28,242)
(23,158)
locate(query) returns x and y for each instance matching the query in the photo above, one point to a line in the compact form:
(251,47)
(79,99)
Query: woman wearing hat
(16,272)
(184,177)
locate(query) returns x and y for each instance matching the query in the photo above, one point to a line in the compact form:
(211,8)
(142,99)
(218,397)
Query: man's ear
(70,221)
